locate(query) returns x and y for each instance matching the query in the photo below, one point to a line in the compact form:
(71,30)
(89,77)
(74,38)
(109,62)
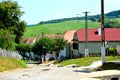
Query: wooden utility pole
(103,32)
(86,33)
(43,46)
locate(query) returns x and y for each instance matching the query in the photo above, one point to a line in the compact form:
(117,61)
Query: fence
(10,54)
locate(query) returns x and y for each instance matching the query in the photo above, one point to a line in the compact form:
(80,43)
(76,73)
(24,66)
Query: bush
(112,51)
(7,40)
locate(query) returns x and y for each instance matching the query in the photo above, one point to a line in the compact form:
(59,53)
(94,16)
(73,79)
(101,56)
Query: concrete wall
(94,47)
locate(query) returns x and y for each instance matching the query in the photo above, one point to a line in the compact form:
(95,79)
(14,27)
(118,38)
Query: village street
(37,72)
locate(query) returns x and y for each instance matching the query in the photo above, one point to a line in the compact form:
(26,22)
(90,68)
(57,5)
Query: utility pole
(43,46)
(86,33)
(103,32)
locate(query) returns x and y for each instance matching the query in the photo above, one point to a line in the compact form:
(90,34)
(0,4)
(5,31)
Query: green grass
(10,63)
(87,61)
(57,27)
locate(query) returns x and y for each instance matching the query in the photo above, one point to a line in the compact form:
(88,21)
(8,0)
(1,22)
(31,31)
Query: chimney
(99,31)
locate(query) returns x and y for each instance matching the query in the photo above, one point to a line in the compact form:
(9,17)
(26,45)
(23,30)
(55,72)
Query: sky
(43,10)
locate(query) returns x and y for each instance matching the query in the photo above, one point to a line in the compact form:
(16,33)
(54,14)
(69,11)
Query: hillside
(62,25)
(54,28)
(112,14)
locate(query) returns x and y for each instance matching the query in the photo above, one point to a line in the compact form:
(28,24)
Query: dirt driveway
(37,72)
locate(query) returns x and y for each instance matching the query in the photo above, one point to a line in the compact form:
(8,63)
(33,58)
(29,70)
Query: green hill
(110,15)
(60,27)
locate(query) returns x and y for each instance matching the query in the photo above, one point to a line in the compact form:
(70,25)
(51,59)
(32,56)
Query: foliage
(59,44)
(10,63)
(62,27)
(112,51)
(113,14)
(112,23)
(46,44)
(7,40)
(87,61)
(10,14)
(23,48)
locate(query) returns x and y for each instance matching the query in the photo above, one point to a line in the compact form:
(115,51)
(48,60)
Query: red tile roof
(29,40)
(111,34)
(68,35)
(32,40)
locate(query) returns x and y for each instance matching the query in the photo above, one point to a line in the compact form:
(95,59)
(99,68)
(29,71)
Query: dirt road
(37,72)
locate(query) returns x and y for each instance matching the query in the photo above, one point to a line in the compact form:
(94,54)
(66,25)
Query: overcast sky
(43,10)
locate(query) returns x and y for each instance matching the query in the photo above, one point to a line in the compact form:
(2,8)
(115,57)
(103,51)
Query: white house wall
(94,47)
(63,54)
(113,44)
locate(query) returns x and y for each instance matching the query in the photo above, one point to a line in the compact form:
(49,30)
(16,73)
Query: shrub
(113,51)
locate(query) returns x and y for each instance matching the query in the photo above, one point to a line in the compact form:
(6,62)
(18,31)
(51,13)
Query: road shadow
(83,71)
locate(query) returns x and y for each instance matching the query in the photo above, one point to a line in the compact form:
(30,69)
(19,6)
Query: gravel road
(37,72)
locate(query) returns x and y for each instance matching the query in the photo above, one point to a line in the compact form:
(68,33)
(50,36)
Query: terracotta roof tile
(68,35)
(111,34)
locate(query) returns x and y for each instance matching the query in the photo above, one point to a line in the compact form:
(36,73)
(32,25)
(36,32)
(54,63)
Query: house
(32,41)
(68,36)
(112,37)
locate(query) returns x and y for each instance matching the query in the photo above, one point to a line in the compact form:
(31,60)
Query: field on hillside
(58,27)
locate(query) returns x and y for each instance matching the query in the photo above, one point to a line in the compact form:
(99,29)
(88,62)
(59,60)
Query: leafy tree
(7,40)
(46,43)
(10,14)
(113,23)
(23,48)
(43,45)
(59,44)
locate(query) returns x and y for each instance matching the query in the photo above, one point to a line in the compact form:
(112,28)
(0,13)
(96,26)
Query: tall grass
(10,63)
(57,27)
(10,60)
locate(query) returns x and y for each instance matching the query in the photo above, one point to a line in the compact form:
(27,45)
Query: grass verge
(87,61)
(10,63)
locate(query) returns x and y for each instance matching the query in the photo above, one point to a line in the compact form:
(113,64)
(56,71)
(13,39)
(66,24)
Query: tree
(59,44)
(23,48)
(7,40)
(113,23)
(10,14)
(43,45)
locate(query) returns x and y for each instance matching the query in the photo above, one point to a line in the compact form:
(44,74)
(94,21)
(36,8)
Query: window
(75,45)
